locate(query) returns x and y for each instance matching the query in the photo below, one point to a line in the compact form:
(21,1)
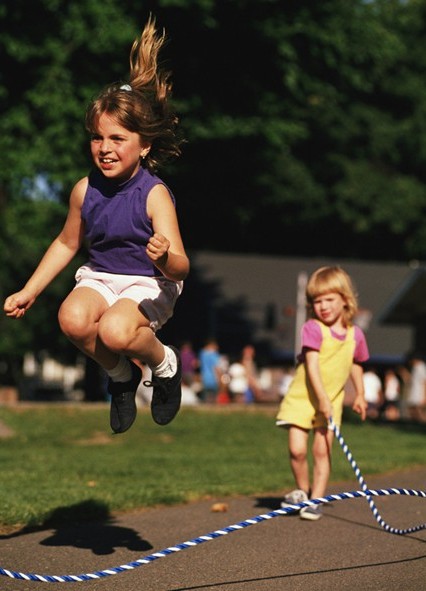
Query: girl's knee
(119,335)
(73,321)
(321,449)
(111,333)
(298,454)
(298,444)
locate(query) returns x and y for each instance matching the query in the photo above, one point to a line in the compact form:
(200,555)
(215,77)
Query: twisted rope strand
(364,487)
(365,492)
(210,536)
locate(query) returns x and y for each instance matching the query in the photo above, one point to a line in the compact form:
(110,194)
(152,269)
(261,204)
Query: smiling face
(115,150)
(329,309)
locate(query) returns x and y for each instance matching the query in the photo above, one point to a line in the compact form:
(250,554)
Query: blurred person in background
(210,370)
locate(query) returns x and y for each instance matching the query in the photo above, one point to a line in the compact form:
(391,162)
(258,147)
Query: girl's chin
(107,169)
(111,172)
(113,175)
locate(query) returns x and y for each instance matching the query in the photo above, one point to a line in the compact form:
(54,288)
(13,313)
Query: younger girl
(332,351)
(137,262)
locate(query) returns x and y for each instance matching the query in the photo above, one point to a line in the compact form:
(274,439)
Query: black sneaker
(166,395)
(123,405)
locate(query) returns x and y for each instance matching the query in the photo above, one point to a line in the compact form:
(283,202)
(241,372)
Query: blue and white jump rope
(365,492)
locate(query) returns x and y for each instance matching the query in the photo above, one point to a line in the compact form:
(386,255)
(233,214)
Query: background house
(407,307)
(240,298)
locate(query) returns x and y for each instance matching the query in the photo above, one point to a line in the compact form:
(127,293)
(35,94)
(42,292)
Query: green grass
(63,462)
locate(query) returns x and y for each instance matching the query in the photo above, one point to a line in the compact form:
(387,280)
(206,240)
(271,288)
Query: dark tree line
(305,124)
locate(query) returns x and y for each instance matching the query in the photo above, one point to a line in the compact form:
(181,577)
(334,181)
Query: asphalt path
(346,549)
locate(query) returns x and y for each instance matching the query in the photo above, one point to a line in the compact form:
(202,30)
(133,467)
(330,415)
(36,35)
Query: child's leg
(104,332)
(298,449)
(124,329)
(107,333)
(321,450)
(79,318)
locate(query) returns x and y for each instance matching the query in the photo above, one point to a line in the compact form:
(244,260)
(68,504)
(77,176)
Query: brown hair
(332,280)
(142,105)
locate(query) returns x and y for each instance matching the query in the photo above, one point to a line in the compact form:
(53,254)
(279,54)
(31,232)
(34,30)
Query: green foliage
(27,228)
(314,94)
(285,108)
(55,54)
(306,122)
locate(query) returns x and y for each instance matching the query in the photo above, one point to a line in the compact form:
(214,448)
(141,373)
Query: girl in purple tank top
(137,261)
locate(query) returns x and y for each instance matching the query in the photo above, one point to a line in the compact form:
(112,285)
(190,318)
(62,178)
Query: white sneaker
(294,498)
(313,512)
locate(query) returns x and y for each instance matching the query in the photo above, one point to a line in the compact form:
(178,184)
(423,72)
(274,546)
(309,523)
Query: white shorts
(156,296)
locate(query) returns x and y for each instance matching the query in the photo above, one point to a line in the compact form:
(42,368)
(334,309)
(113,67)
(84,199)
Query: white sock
(121,372)
(168,367)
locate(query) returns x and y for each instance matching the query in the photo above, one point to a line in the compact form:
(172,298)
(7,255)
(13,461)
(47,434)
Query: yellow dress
(299,405)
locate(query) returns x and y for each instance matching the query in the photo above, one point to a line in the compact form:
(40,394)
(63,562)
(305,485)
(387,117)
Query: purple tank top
(117,226)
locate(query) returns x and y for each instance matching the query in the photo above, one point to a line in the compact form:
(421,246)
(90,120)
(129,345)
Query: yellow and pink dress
(336,356)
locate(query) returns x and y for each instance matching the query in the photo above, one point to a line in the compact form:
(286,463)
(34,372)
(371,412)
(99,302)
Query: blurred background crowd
(393,393)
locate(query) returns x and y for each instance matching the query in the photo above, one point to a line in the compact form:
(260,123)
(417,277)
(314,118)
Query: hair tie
(126,87)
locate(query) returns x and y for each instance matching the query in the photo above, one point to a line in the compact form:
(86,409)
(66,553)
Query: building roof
(408,303)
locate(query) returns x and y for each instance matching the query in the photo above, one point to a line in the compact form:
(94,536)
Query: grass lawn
(62,456)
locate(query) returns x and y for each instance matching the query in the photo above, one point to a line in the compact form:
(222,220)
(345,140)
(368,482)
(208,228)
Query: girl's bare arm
(359,405)
(56,258)
(165,248)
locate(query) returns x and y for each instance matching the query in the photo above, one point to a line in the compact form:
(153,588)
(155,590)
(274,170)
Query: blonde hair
(142,105)
(332,280)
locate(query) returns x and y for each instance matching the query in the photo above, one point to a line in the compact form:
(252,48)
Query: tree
(46,81)
(299,116)
(302,119)
(54,58)
(305,123)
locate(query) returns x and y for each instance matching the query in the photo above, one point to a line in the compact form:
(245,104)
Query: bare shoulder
(159,198)
(160,191)
(79,191)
